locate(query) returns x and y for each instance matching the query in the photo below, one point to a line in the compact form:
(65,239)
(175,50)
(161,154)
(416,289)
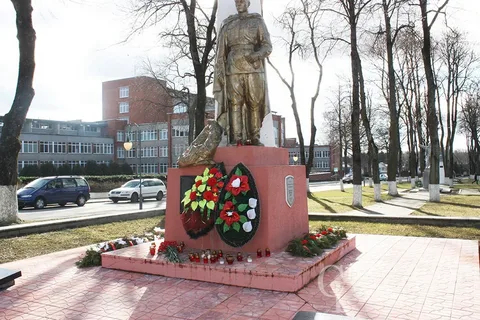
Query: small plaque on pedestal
(289,190)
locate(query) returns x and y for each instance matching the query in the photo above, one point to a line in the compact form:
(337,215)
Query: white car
(151,188)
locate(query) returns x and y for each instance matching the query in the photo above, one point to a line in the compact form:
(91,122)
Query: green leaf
(206,171)
(202,187)
(211,205)
(225,228)
(194,205)
(242,207)
(234,201)
(236,226)
(198,178)
(243,219)
(220,206)
(187,193)
(227,195)
(219,221)
(202,203)
(238,172)
(244,193)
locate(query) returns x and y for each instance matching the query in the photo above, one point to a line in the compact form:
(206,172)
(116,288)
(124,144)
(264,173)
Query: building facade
(322,157)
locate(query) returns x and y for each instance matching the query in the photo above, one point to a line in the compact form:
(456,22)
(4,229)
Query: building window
(131,153)
(23,164)
(29,147)
(318,154)
(164,134)
(73,163)
(68,127)
(163,151)
(58,163)
(149,168)
(306,155)
(86,148)
(46,147)
(149,135)
(59,147)
(73,147)
(120,136)
(180,108)
(124,92)
(326,154)
(150,152)
(103,148)
(41,125)
(163,168)
(180,131)
(82,163)
(120,153)
(91,129)
(178,149)
(124,107)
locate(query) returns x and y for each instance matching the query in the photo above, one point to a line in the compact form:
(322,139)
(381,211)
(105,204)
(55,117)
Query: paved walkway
(396,207)
(385,278)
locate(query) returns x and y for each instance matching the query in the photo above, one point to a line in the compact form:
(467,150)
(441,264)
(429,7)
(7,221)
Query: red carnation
(228,214)
(313,238)
(208,195)
(218,175)
(241,188)
(220,184)
(198,183)
(212,182)
(213,171)
(324,233)
(330,229)
(304,242)
(215,189)
(318,235)
(193,196)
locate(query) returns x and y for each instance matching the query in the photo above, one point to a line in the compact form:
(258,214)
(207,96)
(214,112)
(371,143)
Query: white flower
(139,240)
(252,203)
(251,214)
(121,242)
(247,226)
(229,213)
(236,183)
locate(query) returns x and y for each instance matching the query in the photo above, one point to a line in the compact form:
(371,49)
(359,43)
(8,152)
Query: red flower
(198,183)
(241,188)
(318,235)
(220,184)
(215,189)
(330,229)
(213,171)
(208,195)
(212,182)
(215,198)
(313,238)
(304,242)
(218,175)
(324,233)
(193,196)
(228,214)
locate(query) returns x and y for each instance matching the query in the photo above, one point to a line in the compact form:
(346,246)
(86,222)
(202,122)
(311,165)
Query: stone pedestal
(279,223)
(426,178)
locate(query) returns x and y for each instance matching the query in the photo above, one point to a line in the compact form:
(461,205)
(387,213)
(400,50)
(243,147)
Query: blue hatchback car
(48,190)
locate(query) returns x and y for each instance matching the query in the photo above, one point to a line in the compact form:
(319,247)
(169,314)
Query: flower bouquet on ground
(170,250)
(93,255)
(313,244)
(238,213)
(200,201)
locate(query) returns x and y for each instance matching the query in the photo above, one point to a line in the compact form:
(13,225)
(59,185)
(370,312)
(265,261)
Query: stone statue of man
(240,84)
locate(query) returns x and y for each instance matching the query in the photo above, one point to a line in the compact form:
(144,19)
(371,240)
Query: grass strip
(451,206)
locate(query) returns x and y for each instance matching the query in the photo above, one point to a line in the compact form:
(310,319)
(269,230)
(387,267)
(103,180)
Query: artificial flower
(330,229)
(212,182)
(220,184)
(193,196)
(215,189)
(218,175)
(237,184)
(324,233)
(198,183)
(251,214)
(228,214)
(208,195)
(213,170)
(252,203)
(304,242)
(247,226)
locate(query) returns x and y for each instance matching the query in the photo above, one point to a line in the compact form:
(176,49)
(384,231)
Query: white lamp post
(128,146)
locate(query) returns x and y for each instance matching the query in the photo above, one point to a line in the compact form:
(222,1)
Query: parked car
(383,177)
(348,178)
(151,188)
(48,190)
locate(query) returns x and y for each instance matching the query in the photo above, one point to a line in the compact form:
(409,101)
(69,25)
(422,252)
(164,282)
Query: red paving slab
(386,277)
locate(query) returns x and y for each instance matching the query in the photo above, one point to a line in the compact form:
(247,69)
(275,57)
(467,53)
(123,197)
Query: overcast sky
(77,49)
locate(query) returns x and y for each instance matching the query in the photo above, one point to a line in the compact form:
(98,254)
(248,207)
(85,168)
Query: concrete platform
(280,272)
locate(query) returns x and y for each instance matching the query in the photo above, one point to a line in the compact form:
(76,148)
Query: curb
(19,230)
(428,221)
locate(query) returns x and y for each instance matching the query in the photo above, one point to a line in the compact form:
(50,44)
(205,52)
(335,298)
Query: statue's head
(242,5)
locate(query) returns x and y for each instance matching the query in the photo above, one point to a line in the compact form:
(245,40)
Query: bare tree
(469,123)
(302,22)
(14,119)
(191,35)
(432,119)
(458,60)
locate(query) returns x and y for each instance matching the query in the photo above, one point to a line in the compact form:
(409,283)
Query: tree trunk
(432,120)
(14,119)
(392,106)
(355,118)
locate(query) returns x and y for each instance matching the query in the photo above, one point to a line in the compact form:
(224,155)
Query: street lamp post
(128,146)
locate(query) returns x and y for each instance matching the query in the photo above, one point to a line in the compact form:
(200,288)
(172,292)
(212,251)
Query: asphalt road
(93,208)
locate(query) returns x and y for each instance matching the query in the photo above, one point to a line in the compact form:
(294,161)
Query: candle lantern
(267,252)
(221,260)
(179,249)
(220,253)
(205,259)
(153,248)
(230,259)
(239,256)
(197,257)
(249,258)
(191,257)
(259,253)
